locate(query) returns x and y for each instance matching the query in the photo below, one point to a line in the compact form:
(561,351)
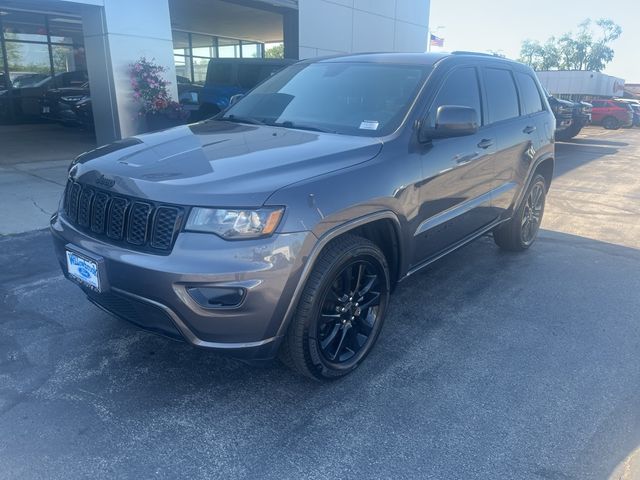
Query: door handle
(529,129)
(485,143)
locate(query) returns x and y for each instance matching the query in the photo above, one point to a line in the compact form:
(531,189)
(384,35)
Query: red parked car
(611,114)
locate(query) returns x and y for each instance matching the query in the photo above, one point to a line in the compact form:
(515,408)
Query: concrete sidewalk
(29,194)
(33,169)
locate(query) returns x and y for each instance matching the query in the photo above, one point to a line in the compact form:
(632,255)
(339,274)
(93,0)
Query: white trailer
(581,83)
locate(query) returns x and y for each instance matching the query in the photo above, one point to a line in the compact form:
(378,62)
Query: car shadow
(570,156)
(597,141)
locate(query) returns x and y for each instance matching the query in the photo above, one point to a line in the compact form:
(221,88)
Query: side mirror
(235,99)
(451,121)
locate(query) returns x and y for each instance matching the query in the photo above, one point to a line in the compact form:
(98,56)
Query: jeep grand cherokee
(282,225)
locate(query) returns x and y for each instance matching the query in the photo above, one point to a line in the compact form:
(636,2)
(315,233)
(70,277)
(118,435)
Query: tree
(275,52)
(584,50)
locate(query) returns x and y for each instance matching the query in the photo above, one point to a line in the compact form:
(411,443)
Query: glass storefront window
(66,30)
(181,43)
(251,50)
(68,58)
(228,48)
(28,58)
(203,45)
(192,52)
(38,60)
(183,66)
(24,26)
(200,66)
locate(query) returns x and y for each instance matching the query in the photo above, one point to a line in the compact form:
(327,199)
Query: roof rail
(464,52)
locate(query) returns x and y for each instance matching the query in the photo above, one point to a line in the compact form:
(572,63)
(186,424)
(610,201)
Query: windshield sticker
(369,125)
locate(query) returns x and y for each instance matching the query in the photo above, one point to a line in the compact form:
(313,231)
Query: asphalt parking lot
(491,365)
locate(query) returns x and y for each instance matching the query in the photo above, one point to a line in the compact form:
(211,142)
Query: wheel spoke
(327,317)
(359,279)
(345,329)
(371,280)
(346,280)
(331,337)
(372,302)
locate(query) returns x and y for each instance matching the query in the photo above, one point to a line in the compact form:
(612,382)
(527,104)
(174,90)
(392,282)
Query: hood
(216,163)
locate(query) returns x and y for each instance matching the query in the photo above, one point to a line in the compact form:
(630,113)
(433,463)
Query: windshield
(368,99)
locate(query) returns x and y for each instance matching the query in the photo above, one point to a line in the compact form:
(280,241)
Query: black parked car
(72,105)
(571,117)
(283,225)
(563,111)
(580,119)
(59,104)
(26,92)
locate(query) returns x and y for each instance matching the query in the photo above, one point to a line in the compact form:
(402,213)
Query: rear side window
(502,96)
(530,93)
(460,88)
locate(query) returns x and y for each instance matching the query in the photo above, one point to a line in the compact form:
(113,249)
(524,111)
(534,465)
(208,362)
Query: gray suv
(281,226)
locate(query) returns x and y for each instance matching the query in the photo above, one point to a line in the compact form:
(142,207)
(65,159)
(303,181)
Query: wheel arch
(545,168)
(382,228)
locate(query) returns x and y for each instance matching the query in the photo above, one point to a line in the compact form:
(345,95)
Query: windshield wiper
(236,119)
(299,126)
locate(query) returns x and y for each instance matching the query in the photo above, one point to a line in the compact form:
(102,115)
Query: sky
(502,25)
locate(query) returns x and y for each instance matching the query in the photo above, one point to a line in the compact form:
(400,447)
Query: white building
(103,37)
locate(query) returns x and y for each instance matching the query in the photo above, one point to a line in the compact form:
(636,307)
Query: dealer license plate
(83,270)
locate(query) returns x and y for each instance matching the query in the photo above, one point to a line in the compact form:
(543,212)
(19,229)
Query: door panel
(455,194)
(458,173)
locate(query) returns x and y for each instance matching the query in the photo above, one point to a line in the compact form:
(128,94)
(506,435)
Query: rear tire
(611,123)
(341,310)
(519,233)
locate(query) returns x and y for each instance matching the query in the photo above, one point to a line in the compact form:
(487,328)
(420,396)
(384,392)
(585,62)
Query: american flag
(436,41)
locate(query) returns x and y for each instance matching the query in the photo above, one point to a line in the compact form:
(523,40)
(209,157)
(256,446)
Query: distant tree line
(587,49)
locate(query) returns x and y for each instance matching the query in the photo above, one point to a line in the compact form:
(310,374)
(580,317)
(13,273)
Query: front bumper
(151,290)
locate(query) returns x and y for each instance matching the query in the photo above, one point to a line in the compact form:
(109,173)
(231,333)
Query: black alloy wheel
(532,214)
(341,310)
(350,309)
(521,231)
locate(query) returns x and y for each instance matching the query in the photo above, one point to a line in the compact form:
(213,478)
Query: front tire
(341,310)
(521,231)
(569,133)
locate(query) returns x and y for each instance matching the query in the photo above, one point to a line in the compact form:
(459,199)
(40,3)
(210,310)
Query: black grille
(163,227)
(84,207)
(74,197)
(139,223)
(122,219)
(99,212)
(117,217)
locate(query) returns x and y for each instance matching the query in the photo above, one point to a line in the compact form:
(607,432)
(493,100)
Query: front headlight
(235,223)
(73,98)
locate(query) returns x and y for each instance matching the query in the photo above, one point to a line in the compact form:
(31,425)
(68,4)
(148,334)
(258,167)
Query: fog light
(217,297)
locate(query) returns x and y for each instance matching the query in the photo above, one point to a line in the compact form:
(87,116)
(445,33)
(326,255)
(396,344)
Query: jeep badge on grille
(105,181)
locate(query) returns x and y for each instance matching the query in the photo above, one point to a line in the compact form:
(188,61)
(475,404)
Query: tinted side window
(248,75)
(220,74)
(460,88)
(502,96)
(530,94)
